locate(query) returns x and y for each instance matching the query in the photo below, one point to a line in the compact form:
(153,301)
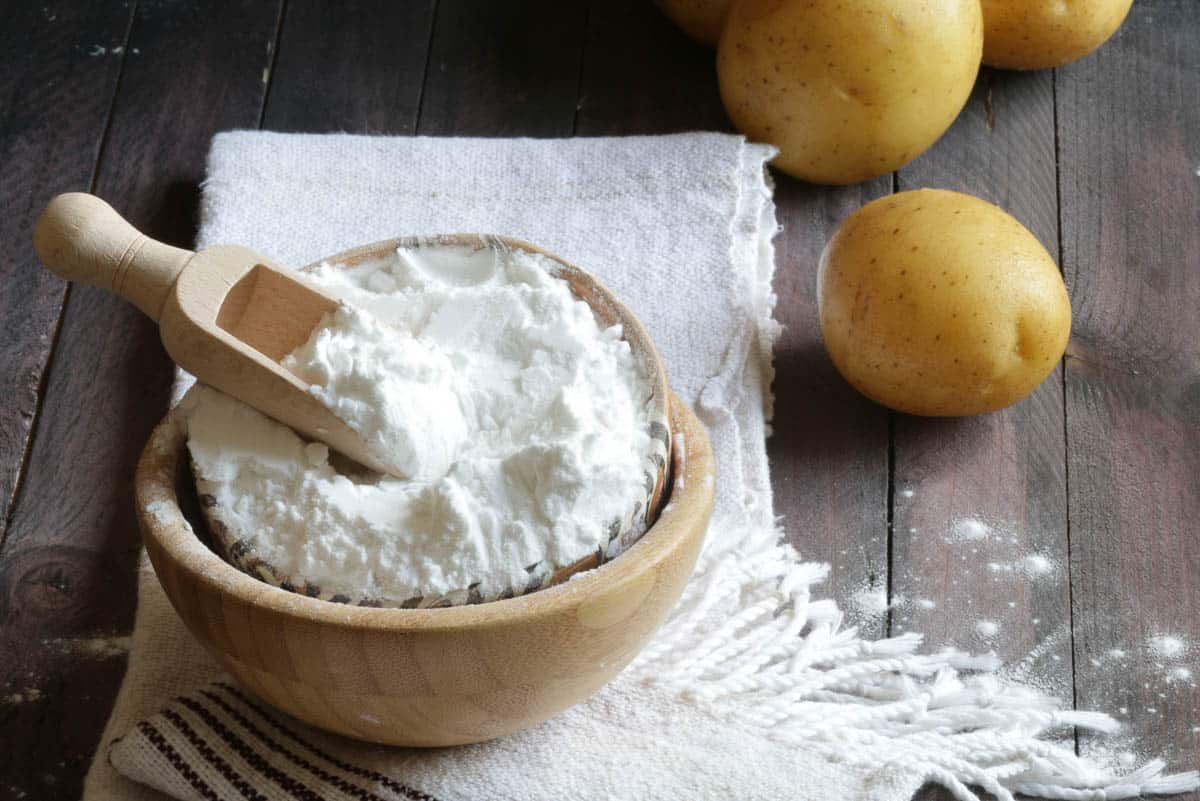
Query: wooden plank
(355,67)
(642,76)
(59,65)
(979,548)
(1129,132)
(67,579)
(58,73)
(829,447)
(503,69)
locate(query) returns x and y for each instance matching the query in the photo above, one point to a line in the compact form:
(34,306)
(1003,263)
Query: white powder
(1167,646)
(521,423)
(30,694)
(402,394)
(1036,565)
(987,628)
(968,528)
(99,647)
(1180,674)
(869,603)
(1032,566)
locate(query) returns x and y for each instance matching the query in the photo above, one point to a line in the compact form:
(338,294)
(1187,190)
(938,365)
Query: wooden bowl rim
(165,528)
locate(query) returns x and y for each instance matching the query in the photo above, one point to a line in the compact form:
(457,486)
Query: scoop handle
(79,237)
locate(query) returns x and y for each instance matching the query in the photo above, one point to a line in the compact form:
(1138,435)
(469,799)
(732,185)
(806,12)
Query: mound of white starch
(520,422)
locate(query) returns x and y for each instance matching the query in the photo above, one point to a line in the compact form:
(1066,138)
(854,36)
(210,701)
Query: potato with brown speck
(848,89)
(938,303)
(1036,34)
(700,19)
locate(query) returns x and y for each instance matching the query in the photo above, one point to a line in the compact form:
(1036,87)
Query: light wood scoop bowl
(226,314)
(424,677)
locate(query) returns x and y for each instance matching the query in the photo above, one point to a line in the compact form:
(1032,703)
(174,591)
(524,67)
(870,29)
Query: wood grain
(1004,470)
(59,64)
(641,75)
(829,447)
(354,66)
(1129,130)
(67,578)
(503,69)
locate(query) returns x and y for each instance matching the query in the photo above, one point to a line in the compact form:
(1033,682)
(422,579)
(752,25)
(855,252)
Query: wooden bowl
(424,677)
(238,547)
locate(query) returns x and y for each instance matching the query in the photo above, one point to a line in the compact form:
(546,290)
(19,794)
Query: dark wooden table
(1098,471)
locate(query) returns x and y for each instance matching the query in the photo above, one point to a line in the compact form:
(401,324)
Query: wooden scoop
(226,314)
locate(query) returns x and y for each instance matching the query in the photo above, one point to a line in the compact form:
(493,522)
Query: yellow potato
(700,19)
(1035,34)
(848,90)
(938,303)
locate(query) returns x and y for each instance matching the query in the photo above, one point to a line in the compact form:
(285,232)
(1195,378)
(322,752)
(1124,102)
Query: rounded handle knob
(81,238)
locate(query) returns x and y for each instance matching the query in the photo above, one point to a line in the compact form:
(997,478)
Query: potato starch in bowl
(521,423)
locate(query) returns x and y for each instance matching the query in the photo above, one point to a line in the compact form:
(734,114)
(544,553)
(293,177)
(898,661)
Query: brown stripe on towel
(336,781)
(291,785)
(366,773)
(156,738)
(205,750)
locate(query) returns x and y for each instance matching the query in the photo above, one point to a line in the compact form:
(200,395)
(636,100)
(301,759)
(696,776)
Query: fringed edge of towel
(782,664)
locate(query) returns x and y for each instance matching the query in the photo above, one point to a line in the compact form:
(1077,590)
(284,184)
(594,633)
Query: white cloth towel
(752,689)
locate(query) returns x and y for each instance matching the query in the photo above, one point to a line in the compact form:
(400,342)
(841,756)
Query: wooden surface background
(1098,472)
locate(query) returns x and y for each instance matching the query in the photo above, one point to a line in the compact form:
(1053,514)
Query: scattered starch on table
(968,528)
(987,628)
(1032,566)
(868,603)
(30,694)
(1036,565)
(523,425)
(1167,646)
(1038,668)
(98,647)
(1115,751)
(1180,674)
